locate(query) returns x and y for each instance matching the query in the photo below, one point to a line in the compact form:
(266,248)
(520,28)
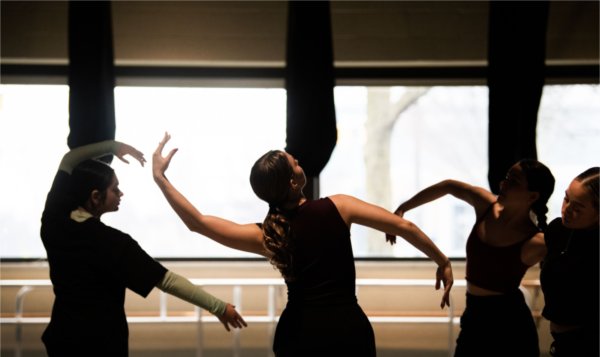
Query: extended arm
(477,197)
(474,196)
(181,287)
(354,210)
(246,237)
(99,149)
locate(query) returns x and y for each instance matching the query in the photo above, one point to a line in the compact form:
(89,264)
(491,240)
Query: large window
(392,142)
(395,141)
(219,133)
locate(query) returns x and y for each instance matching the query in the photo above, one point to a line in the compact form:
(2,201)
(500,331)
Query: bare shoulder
(534,249)
(347,202)
(341,198)
(343,203)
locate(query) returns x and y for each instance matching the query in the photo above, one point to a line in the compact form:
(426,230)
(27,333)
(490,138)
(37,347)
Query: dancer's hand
(232,317)
(160,164)
(390,237)
(125,149)
(444,275)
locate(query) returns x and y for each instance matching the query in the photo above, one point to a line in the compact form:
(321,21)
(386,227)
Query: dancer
(91,264)
(569,275)
(308,241)
(503,244)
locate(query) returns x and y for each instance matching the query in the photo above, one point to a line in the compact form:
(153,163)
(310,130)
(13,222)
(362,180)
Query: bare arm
(356,211)
(534,250)
(477,197)
(246,237)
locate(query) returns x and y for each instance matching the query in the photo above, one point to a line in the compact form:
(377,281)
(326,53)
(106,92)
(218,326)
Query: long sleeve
(82,153)
(182,288)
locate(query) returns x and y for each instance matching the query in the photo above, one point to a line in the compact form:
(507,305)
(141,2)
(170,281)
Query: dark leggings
(582,342)
(499,325)
(332,330)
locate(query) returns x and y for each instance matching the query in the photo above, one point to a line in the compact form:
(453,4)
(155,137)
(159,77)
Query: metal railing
(271,317)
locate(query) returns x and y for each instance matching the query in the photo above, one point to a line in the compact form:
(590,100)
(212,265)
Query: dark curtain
(91,73)
(516,54)
(309,81)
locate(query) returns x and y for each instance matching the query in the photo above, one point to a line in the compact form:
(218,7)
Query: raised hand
(160,163)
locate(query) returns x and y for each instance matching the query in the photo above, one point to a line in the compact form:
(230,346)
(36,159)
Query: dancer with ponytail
(503,244)
(308,241)
(569,276)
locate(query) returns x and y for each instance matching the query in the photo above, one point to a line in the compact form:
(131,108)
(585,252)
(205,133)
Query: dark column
(311,129)
(91,73)
(516,54)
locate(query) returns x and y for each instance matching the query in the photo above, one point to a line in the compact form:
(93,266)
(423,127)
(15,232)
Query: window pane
(34,127)
(395,141)
(568,131)
(219,133)
(392,142)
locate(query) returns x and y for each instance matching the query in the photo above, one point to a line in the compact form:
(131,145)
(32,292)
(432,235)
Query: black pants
(330,330)
(582,342)
(499,325)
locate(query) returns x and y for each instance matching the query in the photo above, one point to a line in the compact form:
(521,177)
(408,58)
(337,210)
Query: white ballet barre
(273,285)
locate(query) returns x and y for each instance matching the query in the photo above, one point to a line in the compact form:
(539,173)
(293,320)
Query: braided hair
(589,179)
(270,180)
(540,180)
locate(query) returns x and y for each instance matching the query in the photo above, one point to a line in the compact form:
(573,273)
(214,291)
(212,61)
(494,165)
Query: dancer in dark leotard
(504,242)
(309,242)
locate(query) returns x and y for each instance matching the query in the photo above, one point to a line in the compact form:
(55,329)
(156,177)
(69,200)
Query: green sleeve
(91,151)
(182,288)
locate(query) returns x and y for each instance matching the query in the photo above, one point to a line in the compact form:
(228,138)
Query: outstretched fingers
(162,143)
(160,164)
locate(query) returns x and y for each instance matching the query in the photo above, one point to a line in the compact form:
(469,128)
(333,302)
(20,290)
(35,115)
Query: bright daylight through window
(392,142)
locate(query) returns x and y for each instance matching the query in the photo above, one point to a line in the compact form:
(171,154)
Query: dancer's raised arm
(95,150)
(356,211)
(246,237)
(475,196)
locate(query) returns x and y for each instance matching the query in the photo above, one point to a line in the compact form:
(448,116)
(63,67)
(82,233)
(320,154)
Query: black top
(322,316)
(496,268)
(91,265)
(323,259)
(569,275)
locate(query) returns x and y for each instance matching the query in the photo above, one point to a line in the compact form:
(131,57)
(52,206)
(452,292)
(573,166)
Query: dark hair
(270,180)
(589,179)
(88,176)
(540,180)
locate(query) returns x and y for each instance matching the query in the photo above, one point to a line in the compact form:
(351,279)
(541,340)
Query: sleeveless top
(323,258)
(494,268)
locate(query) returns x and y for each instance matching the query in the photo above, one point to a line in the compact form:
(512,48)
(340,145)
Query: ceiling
(253,33)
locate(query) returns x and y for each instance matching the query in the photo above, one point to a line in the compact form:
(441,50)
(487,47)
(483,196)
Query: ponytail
(540,209)
(270,179)
(540,180)
(279,242)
